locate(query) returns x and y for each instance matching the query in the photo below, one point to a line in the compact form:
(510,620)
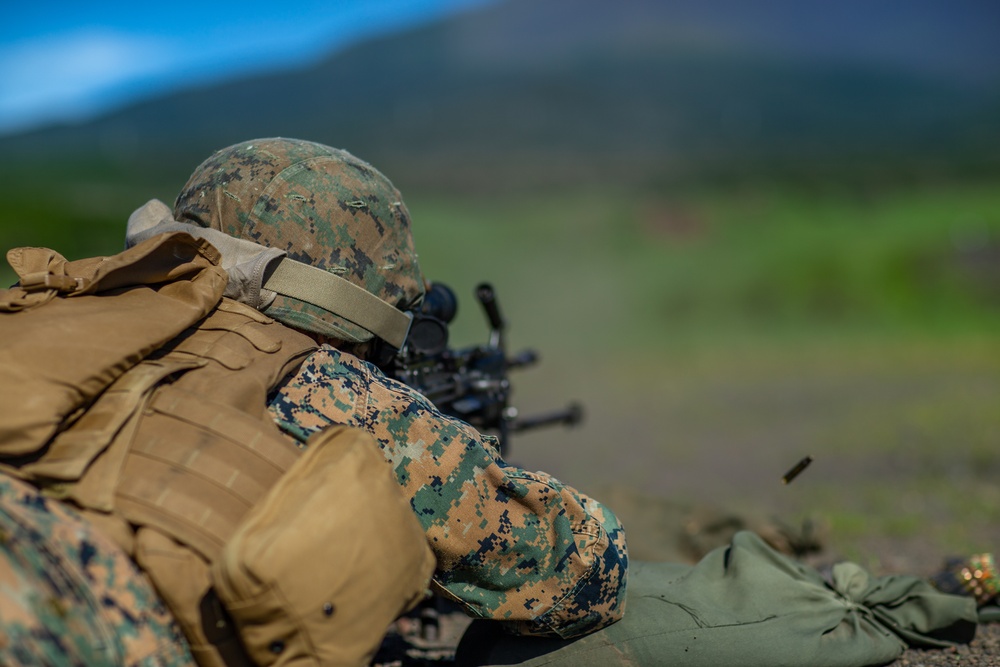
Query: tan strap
(42,281)
(341,297)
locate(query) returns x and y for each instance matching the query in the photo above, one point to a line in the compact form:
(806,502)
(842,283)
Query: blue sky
(66,61)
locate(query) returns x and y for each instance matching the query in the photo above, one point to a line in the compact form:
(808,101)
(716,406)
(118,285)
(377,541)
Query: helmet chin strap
(341,297)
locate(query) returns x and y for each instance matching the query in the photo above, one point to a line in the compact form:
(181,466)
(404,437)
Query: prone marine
(257,387)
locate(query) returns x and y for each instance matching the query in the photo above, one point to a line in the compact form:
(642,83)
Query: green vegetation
(637,268)
(78,209)
(715,335)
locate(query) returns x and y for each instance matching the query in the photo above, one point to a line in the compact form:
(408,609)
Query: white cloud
(86,59)
(62,76)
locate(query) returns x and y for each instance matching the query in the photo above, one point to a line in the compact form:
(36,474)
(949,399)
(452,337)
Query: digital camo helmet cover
(321,205)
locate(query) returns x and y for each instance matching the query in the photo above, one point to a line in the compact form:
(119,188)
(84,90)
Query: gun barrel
(522,359)
(568,416)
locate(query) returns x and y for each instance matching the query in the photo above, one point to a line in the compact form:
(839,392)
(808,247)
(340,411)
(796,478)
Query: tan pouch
(333,554)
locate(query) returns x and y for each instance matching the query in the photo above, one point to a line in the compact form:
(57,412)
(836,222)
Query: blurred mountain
(548,92)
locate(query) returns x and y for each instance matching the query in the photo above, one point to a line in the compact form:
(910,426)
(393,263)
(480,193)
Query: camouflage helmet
(321,205)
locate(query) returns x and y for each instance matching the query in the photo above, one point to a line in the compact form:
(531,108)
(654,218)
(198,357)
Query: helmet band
(341,297)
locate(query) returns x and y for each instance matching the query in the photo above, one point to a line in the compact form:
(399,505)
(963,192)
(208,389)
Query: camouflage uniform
(70,596)
(511,545)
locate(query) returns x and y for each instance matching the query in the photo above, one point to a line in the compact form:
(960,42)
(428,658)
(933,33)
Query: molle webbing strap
(341,297)
(196,467)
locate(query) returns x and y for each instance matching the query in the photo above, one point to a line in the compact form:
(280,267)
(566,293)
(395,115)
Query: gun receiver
(469,383)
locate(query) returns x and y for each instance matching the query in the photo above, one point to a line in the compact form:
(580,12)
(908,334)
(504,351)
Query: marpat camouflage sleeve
(71,596)
(511,545)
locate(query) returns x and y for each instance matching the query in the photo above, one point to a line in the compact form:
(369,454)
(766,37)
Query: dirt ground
(413,645)
(903,443)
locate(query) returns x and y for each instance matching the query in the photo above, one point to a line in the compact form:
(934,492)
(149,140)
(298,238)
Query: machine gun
(469,383)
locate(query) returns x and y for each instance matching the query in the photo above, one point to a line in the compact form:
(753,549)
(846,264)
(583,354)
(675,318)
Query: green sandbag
(746,605)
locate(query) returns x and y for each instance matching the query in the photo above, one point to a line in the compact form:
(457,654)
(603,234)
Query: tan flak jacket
(143,401)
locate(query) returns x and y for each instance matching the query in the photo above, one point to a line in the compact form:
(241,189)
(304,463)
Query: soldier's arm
(511,545)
